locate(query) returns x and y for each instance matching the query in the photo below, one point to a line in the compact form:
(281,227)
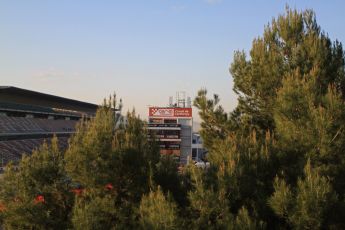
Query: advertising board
(170,112)
(165,125)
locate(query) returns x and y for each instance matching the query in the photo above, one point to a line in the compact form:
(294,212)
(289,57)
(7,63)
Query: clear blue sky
(145,50)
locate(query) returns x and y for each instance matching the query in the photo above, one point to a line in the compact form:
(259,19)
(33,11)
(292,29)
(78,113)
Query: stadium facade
(28,118)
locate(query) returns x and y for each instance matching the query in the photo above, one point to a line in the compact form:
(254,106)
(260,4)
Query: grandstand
(28,118)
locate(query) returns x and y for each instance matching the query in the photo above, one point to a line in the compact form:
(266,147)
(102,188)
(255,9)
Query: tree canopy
(281,151)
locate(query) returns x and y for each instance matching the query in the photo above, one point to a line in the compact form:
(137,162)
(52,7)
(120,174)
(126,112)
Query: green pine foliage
(157,212)
(208,206)
(36,194)
(94,211)
(245,222)
(290,109)
(216,124)
(292,43)
(170,180)
(309,204)
(89,156)
(105,153)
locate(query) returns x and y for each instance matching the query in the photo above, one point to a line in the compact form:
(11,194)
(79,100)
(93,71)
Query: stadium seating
(13,150)
(28,118)
(13,125)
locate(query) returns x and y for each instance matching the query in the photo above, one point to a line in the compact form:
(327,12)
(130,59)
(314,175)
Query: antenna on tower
(189,102)
(171,101)
(181,99)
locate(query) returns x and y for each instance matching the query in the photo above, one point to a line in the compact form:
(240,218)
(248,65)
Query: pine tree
(170,180)
(308,206)
(89,156)
(36,194)
(158,212)
(209,205)
(291,101)
(216,124)
(245,222)
(292,43)
(113,163)
(94,210)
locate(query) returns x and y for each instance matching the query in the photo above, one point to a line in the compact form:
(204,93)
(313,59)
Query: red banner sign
(170,112)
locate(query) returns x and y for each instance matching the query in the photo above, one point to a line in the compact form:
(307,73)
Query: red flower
(39,199)
(78,191)
(2,207)
(109,186)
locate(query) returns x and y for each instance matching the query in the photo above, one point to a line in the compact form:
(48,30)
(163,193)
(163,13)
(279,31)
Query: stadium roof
(10,94)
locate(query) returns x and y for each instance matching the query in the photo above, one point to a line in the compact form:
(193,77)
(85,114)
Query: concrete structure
(172,126)
(198,151)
